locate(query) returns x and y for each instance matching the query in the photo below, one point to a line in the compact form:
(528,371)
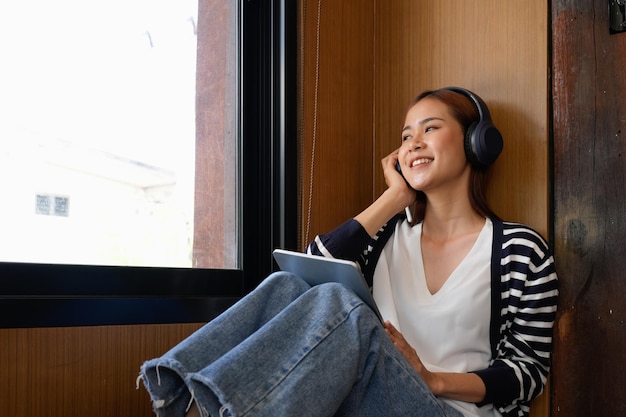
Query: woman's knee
(285,281)
(336,293)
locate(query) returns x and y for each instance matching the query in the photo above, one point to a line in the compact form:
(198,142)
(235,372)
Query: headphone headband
(483,141)
(480,104)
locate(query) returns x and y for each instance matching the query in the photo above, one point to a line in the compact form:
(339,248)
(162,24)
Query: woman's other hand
(457,386)
(407,351)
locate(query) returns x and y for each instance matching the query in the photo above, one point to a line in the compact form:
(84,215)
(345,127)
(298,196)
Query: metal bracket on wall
(617,16)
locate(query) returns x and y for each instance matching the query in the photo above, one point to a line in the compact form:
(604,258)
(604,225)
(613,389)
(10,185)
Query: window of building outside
(112,150)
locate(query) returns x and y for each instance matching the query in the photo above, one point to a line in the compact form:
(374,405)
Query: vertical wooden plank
(337,112)
(590,210)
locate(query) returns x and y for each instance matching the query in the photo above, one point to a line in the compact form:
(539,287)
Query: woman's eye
(405,138)
(429,128)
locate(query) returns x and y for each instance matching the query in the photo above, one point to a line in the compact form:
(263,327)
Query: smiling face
(432,155)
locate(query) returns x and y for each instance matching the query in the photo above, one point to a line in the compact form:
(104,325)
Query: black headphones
(483,141)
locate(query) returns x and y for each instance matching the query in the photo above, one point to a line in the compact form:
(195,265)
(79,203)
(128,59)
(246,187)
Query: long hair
(466,113)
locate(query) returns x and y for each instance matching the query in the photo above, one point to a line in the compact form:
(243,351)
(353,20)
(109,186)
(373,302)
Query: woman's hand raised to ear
(392,201)
(396,180)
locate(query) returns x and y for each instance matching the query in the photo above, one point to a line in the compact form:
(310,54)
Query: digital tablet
(317,270)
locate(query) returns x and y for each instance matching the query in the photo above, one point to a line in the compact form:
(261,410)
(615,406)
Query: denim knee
(285,280)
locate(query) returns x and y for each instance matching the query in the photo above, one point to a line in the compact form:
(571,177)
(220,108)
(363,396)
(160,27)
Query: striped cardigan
(523,304)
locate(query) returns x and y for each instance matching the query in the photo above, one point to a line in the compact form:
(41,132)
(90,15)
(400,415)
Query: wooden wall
(375,56)
(589,83)
(337,112)
(80,371)
(363,62)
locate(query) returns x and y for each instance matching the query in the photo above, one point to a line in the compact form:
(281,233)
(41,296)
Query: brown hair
(466,113)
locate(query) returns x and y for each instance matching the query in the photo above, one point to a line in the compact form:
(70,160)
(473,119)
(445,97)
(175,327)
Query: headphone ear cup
(469,141)
(483,143)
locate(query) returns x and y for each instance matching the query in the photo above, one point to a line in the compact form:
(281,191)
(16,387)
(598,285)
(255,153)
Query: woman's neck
(445,219)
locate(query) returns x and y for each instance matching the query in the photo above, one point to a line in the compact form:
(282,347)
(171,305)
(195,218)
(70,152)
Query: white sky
(84,71)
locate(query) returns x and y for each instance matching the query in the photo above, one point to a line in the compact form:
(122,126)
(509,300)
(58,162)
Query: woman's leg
(325,354)
(165,377)
(389,386)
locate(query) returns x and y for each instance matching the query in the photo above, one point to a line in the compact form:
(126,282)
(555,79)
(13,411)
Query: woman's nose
(415,144)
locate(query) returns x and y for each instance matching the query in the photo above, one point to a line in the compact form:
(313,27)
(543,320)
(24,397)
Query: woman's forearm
(467,387)
(379,212)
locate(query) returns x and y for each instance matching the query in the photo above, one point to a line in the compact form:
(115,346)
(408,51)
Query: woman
(469,303)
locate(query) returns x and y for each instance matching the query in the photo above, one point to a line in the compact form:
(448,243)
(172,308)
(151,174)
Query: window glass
(98,135)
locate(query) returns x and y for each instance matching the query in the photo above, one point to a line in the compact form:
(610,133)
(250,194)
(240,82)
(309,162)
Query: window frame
(46,295)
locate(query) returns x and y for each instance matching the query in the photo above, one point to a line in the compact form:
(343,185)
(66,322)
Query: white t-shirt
(448,329)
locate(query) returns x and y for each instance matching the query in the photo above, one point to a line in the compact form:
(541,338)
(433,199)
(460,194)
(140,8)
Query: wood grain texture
(497,49)
(590,210)
(397,49)
(80,371)
(341,94)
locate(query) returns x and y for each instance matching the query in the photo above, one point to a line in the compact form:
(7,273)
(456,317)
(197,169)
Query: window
(98,109)
(195,283)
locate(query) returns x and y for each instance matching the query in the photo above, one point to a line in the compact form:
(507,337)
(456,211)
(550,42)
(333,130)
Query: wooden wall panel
(397,49)
(498,49)
(80,371)
(337,108)
(590,210)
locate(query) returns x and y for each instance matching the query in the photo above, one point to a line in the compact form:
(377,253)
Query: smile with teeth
(421,161)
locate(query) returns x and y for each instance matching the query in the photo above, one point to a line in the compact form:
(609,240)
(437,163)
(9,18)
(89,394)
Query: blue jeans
(287,349)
